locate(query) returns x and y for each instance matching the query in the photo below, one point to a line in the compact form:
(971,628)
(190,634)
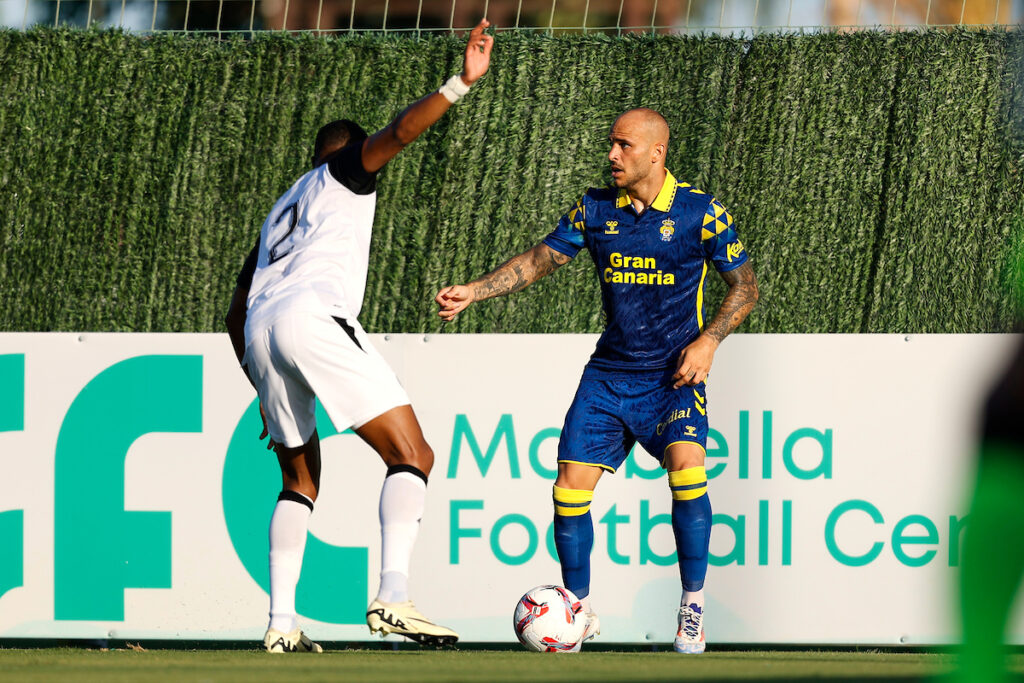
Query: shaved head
(639,143)
(647,122)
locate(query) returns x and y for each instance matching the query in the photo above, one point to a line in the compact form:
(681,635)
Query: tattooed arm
(695,360)
(738,302)
(511,276)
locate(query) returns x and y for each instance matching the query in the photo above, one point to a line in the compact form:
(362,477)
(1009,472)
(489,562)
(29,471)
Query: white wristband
(453,89)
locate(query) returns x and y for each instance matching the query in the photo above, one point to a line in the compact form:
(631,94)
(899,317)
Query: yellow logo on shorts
(676,415)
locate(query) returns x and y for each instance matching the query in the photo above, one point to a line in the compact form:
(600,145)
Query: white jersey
(314,247)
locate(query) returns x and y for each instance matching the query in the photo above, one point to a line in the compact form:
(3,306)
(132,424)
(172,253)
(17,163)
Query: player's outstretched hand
(452,300)
(478,53)
(695,362)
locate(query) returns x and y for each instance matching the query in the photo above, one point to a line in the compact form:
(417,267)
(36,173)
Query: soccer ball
(550,619)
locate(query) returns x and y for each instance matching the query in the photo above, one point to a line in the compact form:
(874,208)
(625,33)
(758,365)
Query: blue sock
(691,524)
(574,538)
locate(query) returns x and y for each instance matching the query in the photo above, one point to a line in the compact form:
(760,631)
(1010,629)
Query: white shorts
(303,356)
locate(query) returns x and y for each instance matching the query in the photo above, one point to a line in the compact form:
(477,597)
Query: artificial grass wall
(876,178)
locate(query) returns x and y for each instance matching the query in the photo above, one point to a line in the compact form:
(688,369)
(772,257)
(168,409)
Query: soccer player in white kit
(293,322)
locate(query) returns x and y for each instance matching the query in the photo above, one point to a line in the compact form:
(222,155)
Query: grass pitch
(65,664)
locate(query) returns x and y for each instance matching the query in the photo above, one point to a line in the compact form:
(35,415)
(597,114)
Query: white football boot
(296,641)
(690,637)
(592,629)
(403,618)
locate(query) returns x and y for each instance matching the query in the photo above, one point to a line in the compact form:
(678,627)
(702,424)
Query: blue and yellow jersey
(651,267)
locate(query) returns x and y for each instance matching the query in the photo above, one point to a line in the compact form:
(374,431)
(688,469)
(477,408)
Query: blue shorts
(608,416)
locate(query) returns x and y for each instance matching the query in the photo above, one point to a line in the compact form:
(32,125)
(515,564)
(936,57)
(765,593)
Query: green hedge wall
(876,177)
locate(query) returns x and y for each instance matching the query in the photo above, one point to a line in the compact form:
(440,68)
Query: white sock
(394,587)
(402,499)
(693,598)
(587,609)
(288,528)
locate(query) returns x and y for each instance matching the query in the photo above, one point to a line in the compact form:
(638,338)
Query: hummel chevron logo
(387,618)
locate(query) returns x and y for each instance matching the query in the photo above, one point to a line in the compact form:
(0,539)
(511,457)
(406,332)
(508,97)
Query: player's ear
(658,152)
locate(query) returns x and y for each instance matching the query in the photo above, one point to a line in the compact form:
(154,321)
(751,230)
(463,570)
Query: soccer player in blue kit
(651,239)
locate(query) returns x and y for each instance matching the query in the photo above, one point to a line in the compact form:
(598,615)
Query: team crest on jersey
(612,228)
(667,230)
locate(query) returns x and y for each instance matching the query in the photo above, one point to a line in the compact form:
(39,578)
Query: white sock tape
(453,89)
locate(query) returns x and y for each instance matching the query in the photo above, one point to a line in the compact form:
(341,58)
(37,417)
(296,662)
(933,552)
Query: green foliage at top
(876,178)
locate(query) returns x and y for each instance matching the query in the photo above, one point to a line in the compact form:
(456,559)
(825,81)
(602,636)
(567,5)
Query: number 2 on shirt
(281,231)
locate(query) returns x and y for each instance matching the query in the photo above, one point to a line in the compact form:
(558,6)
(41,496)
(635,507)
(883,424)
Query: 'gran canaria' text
(639,270)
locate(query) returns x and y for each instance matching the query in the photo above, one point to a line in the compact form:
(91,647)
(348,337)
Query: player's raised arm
(513,275)
(383,145)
